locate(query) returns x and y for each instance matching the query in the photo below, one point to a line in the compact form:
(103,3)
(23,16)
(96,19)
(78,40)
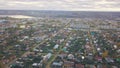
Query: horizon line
(58,10)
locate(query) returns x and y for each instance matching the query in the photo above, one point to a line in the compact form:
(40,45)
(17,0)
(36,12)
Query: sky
(65,5)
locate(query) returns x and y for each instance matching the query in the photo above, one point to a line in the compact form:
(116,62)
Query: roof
(57,64)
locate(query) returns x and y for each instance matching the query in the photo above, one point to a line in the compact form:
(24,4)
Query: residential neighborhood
(59,43)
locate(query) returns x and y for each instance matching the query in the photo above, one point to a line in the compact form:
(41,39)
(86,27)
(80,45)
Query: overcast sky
(67,5)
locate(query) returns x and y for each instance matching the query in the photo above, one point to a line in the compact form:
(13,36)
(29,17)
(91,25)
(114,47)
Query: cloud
(70,5)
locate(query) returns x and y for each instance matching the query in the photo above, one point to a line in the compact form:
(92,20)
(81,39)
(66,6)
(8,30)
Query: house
(68,64)
(57,65)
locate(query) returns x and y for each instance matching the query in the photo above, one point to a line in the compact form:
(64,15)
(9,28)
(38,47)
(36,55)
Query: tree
(1,65)
(105,54)
(118,44)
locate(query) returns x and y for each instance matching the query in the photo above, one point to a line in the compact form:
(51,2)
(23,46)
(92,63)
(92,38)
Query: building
(68,64)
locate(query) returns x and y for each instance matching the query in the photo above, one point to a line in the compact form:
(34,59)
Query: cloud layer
(69,5)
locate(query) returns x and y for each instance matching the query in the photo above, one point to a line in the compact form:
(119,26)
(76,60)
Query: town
(44,42)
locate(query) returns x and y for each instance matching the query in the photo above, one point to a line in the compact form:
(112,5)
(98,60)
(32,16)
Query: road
(90,37)
(56,54)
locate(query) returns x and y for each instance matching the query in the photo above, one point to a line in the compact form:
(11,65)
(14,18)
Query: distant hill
(68,14)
